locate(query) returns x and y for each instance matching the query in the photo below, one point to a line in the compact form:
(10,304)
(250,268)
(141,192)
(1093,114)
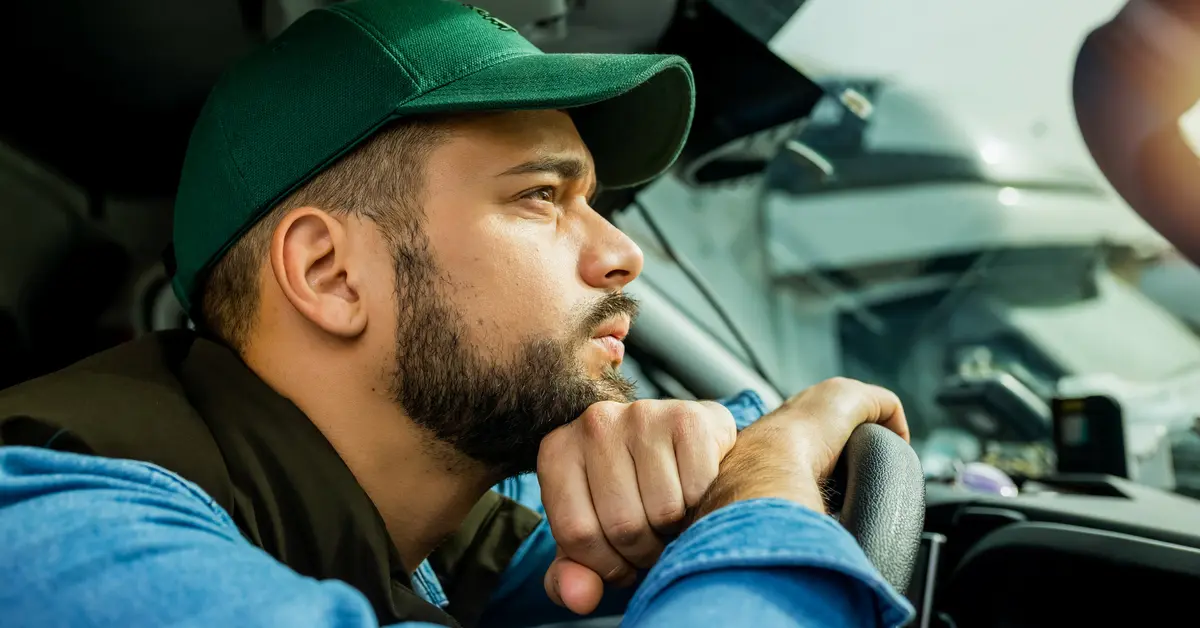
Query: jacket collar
(292,493)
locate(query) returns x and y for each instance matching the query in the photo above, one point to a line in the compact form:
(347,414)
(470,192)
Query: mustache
(605,308)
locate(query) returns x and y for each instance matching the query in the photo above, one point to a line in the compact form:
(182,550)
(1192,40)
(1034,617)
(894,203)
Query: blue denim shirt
(105,542)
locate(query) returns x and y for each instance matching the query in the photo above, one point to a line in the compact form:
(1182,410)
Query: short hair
(382,180)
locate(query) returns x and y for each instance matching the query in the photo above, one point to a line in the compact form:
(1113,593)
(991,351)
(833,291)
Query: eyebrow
(572,168)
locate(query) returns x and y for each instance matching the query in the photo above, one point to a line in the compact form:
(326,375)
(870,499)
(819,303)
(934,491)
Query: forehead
(491,143)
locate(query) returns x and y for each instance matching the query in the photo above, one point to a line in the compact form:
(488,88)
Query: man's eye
(545,194)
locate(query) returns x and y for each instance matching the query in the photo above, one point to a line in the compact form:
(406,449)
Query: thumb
(572,585)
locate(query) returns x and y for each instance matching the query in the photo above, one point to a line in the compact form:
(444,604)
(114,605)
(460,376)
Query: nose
(609,259)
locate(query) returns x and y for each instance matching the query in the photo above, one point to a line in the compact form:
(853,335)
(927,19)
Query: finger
(888,411)
(567,499)
(613,481)
(854,403)
(698,453)
(662,494)
(574,586)
(722,427)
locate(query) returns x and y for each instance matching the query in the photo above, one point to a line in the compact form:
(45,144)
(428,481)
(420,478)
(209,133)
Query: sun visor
(749,100)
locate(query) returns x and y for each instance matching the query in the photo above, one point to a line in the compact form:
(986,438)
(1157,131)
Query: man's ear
(311,260)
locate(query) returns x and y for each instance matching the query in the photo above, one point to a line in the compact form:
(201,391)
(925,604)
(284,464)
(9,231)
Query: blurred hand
(619,480)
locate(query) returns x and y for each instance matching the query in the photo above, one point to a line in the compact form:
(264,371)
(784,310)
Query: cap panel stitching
(381,41)
(370,30)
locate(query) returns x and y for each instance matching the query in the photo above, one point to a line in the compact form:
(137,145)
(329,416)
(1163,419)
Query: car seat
(58,274)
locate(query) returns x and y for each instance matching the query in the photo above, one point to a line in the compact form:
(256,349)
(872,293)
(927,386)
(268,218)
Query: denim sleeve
(102,542)
(766,563)
(761,563)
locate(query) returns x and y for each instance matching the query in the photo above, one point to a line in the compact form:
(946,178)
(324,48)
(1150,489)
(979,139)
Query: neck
(422,489)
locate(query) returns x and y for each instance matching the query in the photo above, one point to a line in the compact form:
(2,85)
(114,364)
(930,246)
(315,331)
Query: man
(383,228)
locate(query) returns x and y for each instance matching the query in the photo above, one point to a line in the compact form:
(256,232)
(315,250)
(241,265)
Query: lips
(616,328)
(611,346)
(610,336)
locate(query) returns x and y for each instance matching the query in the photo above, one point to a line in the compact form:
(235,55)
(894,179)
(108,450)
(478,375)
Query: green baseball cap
(338,74)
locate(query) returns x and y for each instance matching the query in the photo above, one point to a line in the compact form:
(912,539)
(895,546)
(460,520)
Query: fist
(617,481)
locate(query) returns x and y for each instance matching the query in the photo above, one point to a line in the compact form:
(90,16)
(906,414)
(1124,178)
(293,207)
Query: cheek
(511,283)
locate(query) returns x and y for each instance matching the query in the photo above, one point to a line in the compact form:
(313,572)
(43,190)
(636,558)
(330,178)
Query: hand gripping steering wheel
(880,489)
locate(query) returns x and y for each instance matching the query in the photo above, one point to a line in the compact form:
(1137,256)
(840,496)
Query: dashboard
(1072,550)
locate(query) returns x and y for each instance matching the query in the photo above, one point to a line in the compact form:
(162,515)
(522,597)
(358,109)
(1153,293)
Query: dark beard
(495,414)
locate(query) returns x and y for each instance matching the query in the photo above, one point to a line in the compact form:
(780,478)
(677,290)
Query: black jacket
(193,407)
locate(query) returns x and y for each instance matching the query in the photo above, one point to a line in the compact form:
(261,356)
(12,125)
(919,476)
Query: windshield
(1142,343)
(932,236)
(1039,321)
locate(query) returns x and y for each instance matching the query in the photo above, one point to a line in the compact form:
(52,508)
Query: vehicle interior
(1048,499)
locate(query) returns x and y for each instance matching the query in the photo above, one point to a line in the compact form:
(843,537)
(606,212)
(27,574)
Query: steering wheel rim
(883,504)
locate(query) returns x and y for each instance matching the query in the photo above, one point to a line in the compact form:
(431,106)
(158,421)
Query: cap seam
(370,30)
(237,167)
(487,63)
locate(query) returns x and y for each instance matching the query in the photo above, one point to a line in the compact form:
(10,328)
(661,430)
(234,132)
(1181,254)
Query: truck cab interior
(99,99)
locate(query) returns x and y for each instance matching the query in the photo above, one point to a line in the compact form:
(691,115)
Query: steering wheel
(880,489)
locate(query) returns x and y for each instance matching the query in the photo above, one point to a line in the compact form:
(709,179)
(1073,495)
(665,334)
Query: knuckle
(643,406)
(574,534)
(684,419)
(842,395)
(598,420)
(640,417)
(667,514)
(840,384)
(626,533)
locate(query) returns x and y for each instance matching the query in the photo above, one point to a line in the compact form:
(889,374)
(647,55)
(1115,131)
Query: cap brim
(632,111)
